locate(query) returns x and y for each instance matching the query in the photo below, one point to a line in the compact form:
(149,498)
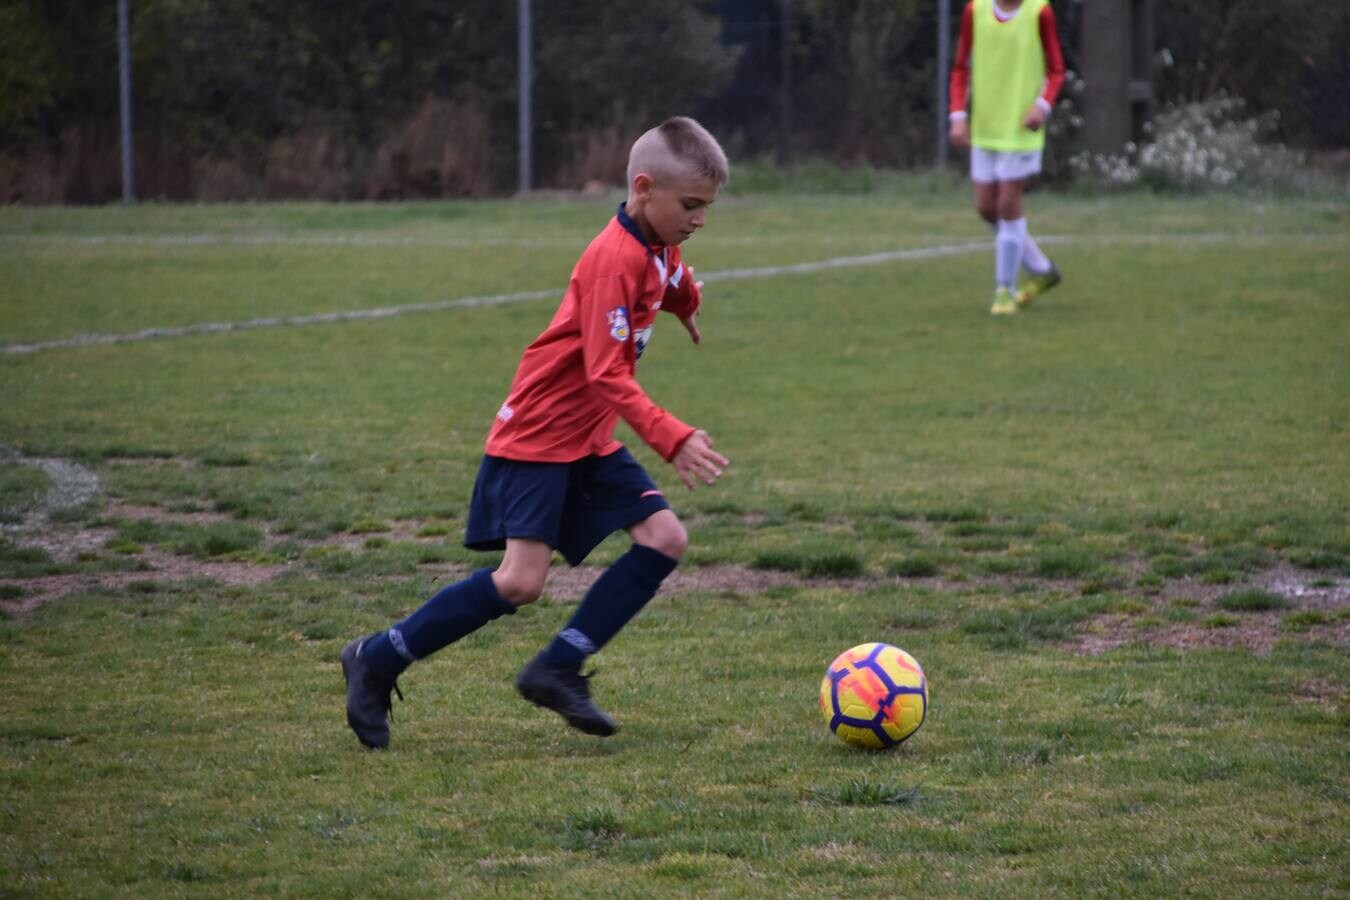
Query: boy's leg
(552,679)
(1034,260)
(1007,247)
(1014,169)
(620,593)
(372,665)
(984,175)
(1042,274)
(986,201)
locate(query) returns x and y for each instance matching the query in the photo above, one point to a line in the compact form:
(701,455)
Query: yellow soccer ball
(874,696)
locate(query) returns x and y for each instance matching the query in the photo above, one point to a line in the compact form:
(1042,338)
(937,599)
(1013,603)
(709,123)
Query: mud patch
(69,543)
(158,567)
(1211,626)
(72,486)
(1322,602)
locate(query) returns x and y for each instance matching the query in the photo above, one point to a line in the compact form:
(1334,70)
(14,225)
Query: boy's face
(674,208)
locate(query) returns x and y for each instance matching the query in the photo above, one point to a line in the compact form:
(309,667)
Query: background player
(1009,66)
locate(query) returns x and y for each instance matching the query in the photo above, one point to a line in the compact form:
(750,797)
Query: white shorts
(987,166)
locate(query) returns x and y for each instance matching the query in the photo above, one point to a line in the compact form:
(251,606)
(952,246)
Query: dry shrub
(597,156)
(90,165)
(219,179)
(444,149)
(28,179)
(84,166)
(308,164)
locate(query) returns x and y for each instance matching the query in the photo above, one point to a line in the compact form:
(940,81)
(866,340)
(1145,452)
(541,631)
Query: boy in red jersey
(1008,62)
(553,477)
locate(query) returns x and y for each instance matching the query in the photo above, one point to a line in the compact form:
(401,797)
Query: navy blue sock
(617,596)
(454,611)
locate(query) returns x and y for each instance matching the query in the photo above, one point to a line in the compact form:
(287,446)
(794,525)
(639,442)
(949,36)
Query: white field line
(803,268)
(384,312)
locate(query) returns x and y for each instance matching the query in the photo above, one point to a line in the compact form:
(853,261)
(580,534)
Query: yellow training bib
(1007,75)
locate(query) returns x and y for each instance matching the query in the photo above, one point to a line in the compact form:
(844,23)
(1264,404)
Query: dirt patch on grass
(1180,613)
(1187,615)
(69,544)
(73,544)
(571,584)
(156,567)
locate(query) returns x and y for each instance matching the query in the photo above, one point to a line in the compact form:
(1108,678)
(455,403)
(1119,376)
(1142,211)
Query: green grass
(1169,423)
(1252,600)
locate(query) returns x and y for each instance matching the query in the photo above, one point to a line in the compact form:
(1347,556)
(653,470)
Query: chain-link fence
(248,99)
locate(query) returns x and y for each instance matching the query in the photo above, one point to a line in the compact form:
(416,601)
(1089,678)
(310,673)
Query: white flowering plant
(1201,146)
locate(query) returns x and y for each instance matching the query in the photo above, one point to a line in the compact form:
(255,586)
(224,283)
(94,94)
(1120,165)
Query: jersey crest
(618,323)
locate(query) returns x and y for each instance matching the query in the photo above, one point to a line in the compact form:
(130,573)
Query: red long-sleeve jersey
(958,87)
(579,376)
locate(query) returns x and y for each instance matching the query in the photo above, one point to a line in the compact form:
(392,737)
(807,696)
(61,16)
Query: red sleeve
(958,88)
(682,297)
(608,356)
(1054,56)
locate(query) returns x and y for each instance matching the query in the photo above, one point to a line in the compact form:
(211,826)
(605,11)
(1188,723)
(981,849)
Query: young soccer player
(553,476)
(1009,65)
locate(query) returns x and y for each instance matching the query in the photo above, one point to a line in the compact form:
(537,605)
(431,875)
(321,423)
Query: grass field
(1115,530)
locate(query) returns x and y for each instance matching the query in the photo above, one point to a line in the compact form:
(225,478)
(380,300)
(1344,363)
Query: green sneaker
(1004,302)
(1037,285)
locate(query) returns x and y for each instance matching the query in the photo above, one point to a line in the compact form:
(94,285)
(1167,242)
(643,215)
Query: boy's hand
(1034,118)
(691,324)
(696,458)
(960,134)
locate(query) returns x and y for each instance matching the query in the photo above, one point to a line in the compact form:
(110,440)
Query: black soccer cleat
(566,693)
(369,705)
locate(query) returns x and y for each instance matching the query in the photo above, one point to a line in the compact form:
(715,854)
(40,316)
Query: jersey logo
(618,323)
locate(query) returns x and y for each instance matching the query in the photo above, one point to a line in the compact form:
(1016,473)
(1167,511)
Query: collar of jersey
(632,228)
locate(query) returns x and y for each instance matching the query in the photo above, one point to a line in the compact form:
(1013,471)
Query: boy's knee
(988,211)
(674,542)
(518,588)
(664,533)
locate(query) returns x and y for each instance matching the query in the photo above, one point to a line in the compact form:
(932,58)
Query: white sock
(1034,259)
(1008,252)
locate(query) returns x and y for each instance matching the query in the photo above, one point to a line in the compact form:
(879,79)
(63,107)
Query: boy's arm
(606,340)
(958,87)
(683,294)
(1054,58)
(1054,70)
(682,299)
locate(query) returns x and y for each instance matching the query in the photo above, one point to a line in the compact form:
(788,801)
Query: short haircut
(677,148)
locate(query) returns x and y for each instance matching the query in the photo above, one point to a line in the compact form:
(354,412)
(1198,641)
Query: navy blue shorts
(572,507)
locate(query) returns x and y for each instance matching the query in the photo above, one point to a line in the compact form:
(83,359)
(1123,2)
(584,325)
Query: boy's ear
(642,184)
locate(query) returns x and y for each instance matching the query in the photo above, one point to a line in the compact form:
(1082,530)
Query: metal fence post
(124,78)
(944,37)
(524,126)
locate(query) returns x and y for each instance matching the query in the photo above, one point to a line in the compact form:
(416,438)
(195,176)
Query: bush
(1202,146)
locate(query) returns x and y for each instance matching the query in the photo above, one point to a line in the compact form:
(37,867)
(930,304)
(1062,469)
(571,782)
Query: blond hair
(677,148)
